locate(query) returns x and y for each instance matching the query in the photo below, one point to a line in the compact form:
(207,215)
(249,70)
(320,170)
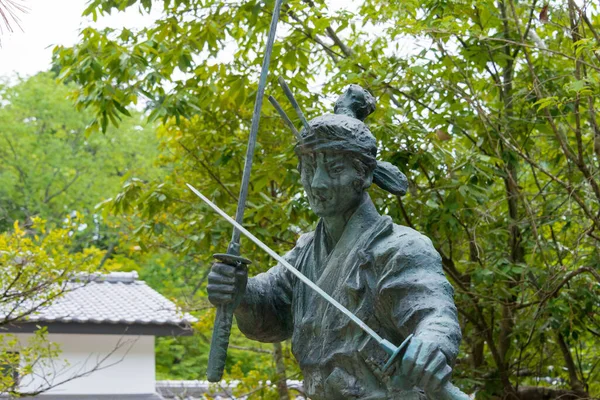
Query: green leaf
(546,102)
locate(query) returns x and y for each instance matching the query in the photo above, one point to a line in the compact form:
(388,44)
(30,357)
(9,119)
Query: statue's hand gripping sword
(447,392)
(224,317)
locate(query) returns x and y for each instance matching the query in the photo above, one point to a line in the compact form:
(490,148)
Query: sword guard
(231,259)
(397,352)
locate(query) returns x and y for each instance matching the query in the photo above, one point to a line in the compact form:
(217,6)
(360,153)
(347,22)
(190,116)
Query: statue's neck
(334,227)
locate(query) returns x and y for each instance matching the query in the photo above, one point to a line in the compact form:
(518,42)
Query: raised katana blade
(262,83)
(448,391)
(224,317)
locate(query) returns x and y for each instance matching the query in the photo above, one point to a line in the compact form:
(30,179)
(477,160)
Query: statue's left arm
(418,298)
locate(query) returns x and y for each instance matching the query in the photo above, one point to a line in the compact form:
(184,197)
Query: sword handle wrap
(222,327)
(219,343)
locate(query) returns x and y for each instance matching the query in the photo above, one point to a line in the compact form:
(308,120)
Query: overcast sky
(47,24)
(52,22)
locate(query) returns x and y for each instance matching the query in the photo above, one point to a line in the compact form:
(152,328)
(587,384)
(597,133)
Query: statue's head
(338,157)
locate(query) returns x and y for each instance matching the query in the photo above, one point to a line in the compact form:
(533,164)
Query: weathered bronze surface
(389,275)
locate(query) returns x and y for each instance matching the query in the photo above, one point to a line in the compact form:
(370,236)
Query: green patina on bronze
(389,275)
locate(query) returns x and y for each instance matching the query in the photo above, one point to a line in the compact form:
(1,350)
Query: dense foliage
(52,167)
(489,107)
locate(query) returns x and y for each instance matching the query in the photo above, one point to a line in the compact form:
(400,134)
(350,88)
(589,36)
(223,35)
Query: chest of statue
(338,359)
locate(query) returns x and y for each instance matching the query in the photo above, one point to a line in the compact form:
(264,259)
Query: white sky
(47,24)
(52,22)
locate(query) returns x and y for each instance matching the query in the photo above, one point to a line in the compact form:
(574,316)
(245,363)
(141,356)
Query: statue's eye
(337,169)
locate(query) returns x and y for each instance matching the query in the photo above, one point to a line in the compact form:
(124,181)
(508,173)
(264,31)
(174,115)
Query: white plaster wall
(105,364)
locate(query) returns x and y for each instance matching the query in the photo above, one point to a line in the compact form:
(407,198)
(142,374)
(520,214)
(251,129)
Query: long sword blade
(224,317)
(262,83)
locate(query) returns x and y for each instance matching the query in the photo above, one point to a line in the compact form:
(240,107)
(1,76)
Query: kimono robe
(390,276)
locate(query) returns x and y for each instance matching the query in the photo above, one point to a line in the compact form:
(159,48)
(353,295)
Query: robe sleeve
(265,313)
(419,298)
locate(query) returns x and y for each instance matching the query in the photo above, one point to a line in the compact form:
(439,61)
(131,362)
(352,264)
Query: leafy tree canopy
(50,166)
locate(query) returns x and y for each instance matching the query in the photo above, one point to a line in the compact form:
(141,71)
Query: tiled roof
(115,298)
(196,390)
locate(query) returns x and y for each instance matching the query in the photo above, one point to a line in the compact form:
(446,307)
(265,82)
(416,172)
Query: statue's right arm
(265,313)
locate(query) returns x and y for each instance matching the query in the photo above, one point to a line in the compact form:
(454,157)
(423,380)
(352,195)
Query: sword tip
(193,189)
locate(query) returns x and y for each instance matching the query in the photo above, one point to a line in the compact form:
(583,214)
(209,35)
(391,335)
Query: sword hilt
(451,392)
(223,321)
(232,259)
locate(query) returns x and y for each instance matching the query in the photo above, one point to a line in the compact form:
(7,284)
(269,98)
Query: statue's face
(332,182)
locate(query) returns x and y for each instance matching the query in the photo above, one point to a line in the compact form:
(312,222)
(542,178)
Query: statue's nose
(319,180)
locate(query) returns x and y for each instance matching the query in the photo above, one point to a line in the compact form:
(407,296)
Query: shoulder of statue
(303,241)
(403,242)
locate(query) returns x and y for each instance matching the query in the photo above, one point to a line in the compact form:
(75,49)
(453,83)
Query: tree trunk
(281,379)
(574,380)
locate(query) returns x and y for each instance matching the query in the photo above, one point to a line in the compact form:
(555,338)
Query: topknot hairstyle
(356,102)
